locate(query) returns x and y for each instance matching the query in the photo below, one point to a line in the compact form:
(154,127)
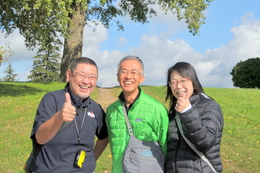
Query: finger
(180,100)
(67,96)
(177,108)
(187,97)
(177,104)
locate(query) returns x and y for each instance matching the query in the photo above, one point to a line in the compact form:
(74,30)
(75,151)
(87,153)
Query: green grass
(240,148)
(18,103)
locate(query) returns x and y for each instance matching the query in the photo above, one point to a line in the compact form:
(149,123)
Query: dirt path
(105,97)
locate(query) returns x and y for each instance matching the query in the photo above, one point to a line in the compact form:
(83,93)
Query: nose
(178,85)
(128,75)
(85,80)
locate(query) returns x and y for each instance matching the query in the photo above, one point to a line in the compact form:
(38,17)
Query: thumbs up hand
(182,103)
(68,112)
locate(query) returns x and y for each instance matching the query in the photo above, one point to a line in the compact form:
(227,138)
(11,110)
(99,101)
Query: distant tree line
(46,67)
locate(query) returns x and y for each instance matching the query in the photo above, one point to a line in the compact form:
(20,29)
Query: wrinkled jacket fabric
(148,119)
(203,126)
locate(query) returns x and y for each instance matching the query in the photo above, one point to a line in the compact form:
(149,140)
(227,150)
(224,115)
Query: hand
(68,112)
(182,103)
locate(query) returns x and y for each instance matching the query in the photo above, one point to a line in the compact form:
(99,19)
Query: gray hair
(129,57)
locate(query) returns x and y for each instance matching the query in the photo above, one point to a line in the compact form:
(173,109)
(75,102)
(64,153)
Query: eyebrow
(178,79)
(130,69)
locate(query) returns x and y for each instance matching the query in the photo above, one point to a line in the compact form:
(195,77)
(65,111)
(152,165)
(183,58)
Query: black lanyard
(77,128)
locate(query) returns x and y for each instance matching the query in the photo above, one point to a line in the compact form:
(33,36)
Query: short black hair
(82,60)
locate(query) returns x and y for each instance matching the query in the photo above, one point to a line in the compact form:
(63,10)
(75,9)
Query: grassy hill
(240,148)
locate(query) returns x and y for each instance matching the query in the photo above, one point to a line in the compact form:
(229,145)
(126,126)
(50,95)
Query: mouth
(128,83)
(84,87)
(180,93)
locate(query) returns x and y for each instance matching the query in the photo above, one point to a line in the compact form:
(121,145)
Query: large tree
(40,19)
(246,74)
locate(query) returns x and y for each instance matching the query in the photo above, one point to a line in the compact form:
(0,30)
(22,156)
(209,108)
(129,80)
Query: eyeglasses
(85,76)
(182,82)
(125,72)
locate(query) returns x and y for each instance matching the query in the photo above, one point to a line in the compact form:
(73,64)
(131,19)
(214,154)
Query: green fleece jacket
(148,119)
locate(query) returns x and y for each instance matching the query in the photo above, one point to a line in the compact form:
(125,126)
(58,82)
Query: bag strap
(130,130)
(190,144)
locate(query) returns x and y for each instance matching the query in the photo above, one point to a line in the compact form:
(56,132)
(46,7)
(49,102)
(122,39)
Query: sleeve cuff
(186,109)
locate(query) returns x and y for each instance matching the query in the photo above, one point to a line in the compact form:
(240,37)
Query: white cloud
(122,40)
(17,45)
(213,67)
(244,45)
(21,60)
(158,52)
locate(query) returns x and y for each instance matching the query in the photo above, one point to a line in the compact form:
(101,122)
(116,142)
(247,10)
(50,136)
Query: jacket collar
(77,102)
(122,99)
(194,98)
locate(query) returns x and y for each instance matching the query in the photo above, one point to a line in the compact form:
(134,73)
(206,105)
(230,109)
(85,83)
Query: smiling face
(81,80)
(130,76)
(182,87)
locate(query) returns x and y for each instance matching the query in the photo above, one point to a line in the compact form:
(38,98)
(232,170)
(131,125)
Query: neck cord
(76,124)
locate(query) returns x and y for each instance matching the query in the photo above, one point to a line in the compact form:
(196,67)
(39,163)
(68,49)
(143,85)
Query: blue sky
(231,34)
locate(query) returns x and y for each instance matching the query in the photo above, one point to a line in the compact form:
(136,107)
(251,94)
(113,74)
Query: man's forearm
(48,129)
(100,147)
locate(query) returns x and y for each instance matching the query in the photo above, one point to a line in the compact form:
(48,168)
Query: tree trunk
(74,42)
(1,59)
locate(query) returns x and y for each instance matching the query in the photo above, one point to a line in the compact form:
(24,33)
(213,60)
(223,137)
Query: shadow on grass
(17,90)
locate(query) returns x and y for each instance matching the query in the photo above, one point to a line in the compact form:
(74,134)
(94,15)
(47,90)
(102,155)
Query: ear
(117,76)
(142,79)
(68,75)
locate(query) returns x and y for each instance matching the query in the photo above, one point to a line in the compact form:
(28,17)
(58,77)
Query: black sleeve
(49,105)
(101,131)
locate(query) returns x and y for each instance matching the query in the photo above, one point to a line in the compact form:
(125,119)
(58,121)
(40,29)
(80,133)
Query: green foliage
(5,52)
(246,74)
(10,75)
(46,65)
(240,147)
(37,21)
(41,19)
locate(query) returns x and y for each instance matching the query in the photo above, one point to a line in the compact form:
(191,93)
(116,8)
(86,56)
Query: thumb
(67,96)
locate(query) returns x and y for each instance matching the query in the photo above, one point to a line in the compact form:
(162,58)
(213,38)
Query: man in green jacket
(147,116)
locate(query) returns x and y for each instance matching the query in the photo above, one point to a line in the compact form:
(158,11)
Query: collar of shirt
(121,97)
(77,102)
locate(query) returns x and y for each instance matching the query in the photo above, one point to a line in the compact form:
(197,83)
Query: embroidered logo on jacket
(147,153)
(91,114)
